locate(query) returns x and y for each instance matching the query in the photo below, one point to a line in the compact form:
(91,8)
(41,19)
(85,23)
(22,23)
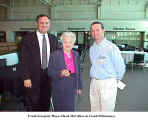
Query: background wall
(73,15)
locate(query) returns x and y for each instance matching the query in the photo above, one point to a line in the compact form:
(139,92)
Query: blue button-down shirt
(106,61)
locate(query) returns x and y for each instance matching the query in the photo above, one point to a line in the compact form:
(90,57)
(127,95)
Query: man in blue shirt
(107,68)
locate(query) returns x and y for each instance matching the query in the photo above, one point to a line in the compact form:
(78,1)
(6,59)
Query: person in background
(107,68)
(35,52)
(65,74)
(141,49)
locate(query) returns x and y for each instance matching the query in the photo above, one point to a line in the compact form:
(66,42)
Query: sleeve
(53,72)
(90,55)
(24,58)
(118,63)
(54,42)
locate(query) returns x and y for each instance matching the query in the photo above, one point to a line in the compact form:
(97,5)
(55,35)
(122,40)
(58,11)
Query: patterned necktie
(44,53)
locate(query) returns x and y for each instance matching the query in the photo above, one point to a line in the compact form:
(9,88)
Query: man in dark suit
(35,52)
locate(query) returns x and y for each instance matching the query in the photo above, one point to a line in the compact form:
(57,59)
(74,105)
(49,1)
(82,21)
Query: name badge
(101,59)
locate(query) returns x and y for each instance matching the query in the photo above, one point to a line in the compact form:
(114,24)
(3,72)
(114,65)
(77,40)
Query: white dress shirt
(40,38)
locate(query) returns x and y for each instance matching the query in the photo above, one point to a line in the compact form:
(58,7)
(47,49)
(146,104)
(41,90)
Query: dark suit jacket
(30,56)
(57,63)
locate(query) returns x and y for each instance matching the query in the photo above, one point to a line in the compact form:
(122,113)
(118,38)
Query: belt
(101,79)
(95,79)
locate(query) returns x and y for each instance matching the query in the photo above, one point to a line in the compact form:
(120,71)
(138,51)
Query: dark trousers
(64,94)
(64,101)
(38,97)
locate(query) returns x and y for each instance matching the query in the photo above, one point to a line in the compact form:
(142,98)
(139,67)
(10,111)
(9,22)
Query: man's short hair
(41,15)
(96,22)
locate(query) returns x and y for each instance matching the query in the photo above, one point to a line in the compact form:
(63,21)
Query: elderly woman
(64,69)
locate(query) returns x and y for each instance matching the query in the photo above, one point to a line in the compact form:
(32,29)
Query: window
(2,36)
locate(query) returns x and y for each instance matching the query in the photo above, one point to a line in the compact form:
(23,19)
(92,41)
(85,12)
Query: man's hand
(27,83)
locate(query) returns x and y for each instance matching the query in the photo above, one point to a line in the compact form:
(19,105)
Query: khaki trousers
(103,95)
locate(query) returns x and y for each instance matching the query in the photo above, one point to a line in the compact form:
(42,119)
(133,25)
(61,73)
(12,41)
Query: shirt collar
(102,42)
(40,34)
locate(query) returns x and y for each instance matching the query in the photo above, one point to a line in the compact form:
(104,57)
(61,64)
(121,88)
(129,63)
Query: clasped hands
(65,73)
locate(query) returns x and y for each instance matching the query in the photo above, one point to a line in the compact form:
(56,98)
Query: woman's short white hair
(70,34)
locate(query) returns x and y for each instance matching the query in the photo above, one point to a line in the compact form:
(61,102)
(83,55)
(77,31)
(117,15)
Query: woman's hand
(65,73)
(79,91)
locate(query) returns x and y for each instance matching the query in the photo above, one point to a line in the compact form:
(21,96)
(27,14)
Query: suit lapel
(62,59)
(36,46)
(50,42)
(75,60)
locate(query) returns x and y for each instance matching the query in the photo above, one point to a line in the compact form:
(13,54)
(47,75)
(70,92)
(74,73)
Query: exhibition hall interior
(125,23)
